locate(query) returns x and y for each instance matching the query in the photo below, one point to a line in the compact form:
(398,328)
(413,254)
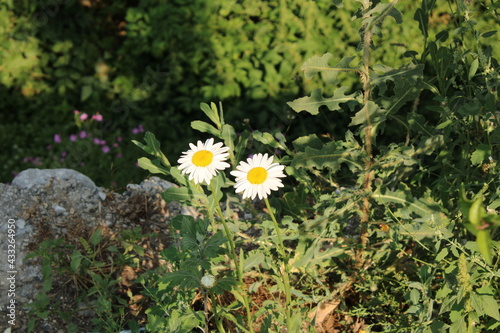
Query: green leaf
(228,134)
(338,3)
(316,64)
(483,240)
(379,13)
(223,284)
(152,166)
(331,156)
(152,142)
(96,237)
(488,302)
(143,147)
(403,196)
(183,279)
(267,139)
(179,220)
(473,68)
(213,200)
(241,146)
(312,103)
(408,83)
(370,115)
(212,113)
(423,20)
(315,254)
(253,260)
(311,141)
(183,195)
(212,247)
(295,202)
(441,255)
(481,153)
(464,202)
(488,34)
(403,205)
(85,93)
(458,326)
(182,179)
(205,128)
(154,146)
(76,259)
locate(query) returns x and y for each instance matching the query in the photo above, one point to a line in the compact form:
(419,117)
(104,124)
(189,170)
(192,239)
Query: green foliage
(143,64)
(94,281)
(374,224)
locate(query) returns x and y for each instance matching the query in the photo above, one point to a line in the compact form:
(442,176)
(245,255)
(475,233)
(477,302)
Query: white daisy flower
(258,176)
(203,161)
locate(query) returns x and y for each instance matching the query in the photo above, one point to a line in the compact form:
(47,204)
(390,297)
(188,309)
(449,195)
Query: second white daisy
(258,176)
(203,161)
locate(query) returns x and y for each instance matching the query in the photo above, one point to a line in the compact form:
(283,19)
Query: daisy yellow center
(257,175)
(202,158)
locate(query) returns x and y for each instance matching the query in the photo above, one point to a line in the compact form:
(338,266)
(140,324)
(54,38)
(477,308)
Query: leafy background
(153,62)
(390,207)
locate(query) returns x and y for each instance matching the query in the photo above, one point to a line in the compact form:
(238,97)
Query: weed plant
(389,227)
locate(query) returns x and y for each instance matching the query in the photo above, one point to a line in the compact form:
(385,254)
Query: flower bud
(208,281)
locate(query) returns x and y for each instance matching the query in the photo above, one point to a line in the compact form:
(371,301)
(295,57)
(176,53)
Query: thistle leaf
(408,83)
(425,215)
(312,103)
(331,156)
(303,142)
(317,64)
(380,12)
(371,113)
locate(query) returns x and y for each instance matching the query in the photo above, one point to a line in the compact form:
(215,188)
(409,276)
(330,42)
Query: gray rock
(31,177)
(153,185)
(47,204)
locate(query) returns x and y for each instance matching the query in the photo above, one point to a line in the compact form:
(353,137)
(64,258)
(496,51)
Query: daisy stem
(284,271)
(239,271)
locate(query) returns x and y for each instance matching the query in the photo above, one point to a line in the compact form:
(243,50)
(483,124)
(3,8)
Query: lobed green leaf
(312,103)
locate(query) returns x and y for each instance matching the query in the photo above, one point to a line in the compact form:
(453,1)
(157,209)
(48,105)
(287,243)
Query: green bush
(153,62)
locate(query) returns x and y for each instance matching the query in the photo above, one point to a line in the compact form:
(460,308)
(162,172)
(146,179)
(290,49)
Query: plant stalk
(367,183)
(283,270)
(239,271)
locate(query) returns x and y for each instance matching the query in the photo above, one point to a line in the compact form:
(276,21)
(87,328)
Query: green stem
(239,270)
(216,315)
(205,310)
(285,270)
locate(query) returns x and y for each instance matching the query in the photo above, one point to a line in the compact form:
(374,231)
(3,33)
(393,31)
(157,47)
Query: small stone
(20,223)
(101,194)
(59,209)
(133,187)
